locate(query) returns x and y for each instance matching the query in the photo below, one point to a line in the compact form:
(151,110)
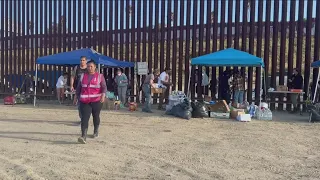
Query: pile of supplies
(175,98)
(180,106)
(240,112)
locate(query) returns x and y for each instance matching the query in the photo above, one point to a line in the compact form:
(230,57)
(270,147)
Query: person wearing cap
(164,82)
(90,93)
(122,86)
(146,88)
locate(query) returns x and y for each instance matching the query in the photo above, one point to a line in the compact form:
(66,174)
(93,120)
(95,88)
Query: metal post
(35,87)
(260,95)
(315,90)
(189,94)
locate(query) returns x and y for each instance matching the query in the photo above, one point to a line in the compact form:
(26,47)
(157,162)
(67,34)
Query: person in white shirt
(164,83)
(61,83)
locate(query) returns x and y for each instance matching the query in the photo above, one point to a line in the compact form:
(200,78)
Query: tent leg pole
(315,90)
(265,84)
(35,87)
(99,70)
(261,74)
(189,94)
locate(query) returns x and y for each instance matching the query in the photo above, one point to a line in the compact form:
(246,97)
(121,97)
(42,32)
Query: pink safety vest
(90,91)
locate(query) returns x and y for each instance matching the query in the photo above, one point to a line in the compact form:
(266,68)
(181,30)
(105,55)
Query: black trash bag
(199,110)
(185,113)
(182,110)
(314,115)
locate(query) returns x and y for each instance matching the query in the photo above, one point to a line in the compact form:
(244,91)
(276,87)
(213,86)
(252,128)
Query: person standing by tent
(296,82)
(90,92)
(122,86)
(75,76)
(224,86)
(146,88)
(238,88)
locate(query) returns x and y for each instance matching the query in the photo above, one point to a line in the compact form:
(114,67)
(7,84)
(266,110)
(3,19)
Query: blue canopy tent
(72,58)
(316,64)
(229,57)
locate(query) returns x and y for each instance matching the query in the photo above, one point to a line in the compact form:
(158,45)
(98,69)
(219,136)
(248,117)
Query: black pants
(86,110)
(226,96)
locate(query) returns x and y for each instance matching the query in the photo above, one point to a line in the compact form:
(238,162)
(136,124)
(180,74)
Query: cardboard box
(108,104)
(244,118)
(282,88)
(219,115)
(219,106)
(156,90)
(236,112)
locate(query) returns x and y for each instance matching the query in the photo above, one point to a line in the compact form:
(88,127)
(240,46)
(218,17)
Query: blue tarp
(73,58)
(315,64)
(228,57)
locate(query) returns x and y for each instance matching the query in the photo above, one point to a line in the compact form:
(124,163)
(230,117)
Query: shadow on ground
(12,135)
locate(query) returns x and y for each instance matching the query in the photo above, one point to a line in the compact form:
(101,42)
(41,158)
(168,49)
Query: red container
(296,90)
(9,100)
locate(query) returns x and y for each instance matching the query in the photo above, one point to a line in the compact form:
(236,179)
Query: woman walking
(91,91)
(146,88)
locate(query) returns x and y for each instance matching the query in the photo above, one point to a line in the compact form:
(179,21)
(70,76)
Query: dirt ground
(41,143)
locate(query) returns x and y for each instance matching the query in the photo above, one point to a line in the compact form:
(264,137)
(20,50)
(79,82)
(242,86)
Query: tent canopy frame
(226,60)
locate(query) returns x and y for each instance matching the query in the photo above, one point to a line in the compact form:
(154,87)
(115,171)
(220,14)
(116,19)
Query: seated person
(61,83)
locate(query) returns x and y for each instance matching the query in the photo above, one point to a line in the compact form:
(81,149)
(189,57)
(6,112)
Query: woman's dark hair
(65,74)
(92,62)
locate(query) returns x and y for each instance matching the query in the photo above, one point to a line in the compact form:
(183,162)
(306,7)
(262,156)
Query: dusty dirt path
(40,143)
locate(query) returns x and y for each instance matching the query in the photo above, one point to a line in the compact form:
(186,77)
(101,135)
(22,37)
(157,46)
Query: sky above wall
(116,25)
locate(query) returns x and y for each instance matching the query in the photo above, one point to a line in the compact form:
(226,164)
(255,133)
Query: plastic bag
(199,110)
(185,114)
(314,115)
(182,110)
(263,114)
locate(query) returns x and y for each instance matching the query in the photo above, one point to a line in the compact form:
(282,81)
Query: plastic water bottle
(252,110)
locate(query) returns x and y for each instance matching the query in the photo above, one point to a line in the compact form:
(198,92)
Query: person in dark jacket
(110,83)
(295,82)
(224,86)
